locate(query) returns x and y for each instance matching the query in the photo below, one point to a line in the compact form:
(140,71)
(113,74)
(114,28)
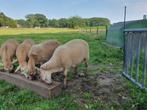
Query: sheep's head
(31,66)
(45,74)
(8,66)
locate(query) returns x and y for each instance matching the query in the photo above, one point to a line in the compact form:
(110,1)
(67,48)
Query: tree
(6,21)
(53,23)
(23,23)
(63,22)
(30,19)
(41,20)
(76,22)
(37,20)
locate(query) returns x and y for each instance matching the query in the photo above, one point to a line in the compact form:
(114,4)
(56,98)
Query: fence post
(97,30)
(106,30)
(90,29)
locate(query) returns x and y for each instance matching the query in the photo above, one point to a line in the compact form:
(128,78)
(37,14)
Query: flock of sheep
(50,55)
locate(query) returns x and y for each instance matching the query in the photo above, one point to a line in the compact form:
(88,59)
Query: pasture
(104,89)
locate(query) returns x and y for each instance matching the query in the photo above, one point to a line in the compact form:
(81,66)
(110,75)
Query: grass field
(106,60)
(17,31)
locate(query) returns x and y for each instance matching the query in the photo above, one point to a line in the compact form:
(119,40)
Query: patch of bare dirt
(108,88)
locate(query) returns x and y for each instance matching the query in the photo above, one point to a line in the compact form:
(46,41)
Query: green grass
(95,27)
(17,31)
(13,98)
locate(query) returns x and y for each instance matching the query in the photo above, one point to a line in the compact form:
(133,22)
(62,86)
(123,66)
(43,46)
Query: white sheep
(41,53)
(65,56)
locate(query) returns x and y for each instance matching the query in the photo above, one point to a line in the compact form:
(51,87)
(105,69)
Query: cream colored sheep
(65,56)
(22,53)
(41,53)
(8,52)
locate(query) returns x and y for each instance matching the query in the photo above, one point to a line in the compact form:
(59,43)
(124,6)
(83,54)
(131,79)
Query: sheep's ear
(35,55)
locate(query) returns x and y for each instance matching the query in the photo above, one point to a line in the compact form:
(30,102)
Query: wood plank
(46,91)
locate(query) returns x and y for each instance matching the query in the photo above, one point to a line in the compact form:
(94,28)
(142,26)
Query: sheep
(40,53)
(65,56)
(8,52)
(22,54)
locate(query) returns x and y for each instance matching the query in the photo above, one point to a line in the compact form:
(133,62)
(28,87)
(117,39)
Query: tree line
(40,20)
(6,21)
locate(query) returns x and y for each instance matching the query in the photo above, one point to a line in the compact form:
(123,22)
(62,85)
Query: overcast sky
(112,9)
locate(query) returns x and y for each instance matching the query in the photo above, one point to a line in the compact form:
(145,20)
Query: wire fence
(99,30)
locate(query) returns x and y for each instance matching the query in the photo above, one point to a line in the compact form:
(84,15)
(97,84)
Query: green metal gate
(135,56)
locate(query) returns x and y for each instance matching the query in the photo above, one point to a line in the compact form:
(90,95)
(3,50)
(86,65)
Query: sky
(111,9)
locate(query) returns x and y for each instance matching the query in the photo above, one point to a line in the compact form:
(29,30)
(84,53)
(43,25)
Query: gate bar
(134,81)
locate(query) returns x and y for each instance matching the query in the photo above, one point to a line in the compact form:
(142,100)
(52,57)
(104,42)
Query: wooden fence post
(90,29)
(106,30)
(97,30)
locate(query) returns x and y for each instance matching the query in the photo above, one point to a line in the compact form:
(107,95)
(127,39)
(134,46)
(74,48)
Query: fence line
(95,30)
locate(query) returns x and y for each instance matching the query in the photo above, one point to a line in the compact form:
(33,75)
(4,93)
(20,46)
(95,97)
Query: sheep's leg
(75,70)
(86,67)
(14,61)
(65,78)
(18,68)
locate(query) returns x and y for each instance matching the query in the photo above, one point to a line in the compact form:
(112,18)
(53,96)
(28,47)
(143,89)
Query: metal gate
(135,56)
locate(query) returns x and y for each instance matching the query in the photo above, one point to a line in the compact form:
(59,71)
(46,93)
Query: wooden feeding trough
(46,91)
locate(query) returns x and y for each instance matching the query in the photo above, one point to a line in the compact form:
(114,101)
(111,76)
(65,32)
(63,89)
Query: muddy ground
(108,88)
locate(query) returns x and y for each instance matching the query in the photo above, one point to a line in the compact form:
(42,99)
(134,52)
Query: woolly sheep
(65,56)
(22,53)
(41,53)
(8,52)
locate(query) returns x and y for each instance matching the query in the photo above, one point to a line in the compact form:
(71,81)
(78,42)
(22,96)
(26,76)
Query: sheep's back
(78,49)
(49,47)
(44,51)
(73,52)
(23,50)
(9,47)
